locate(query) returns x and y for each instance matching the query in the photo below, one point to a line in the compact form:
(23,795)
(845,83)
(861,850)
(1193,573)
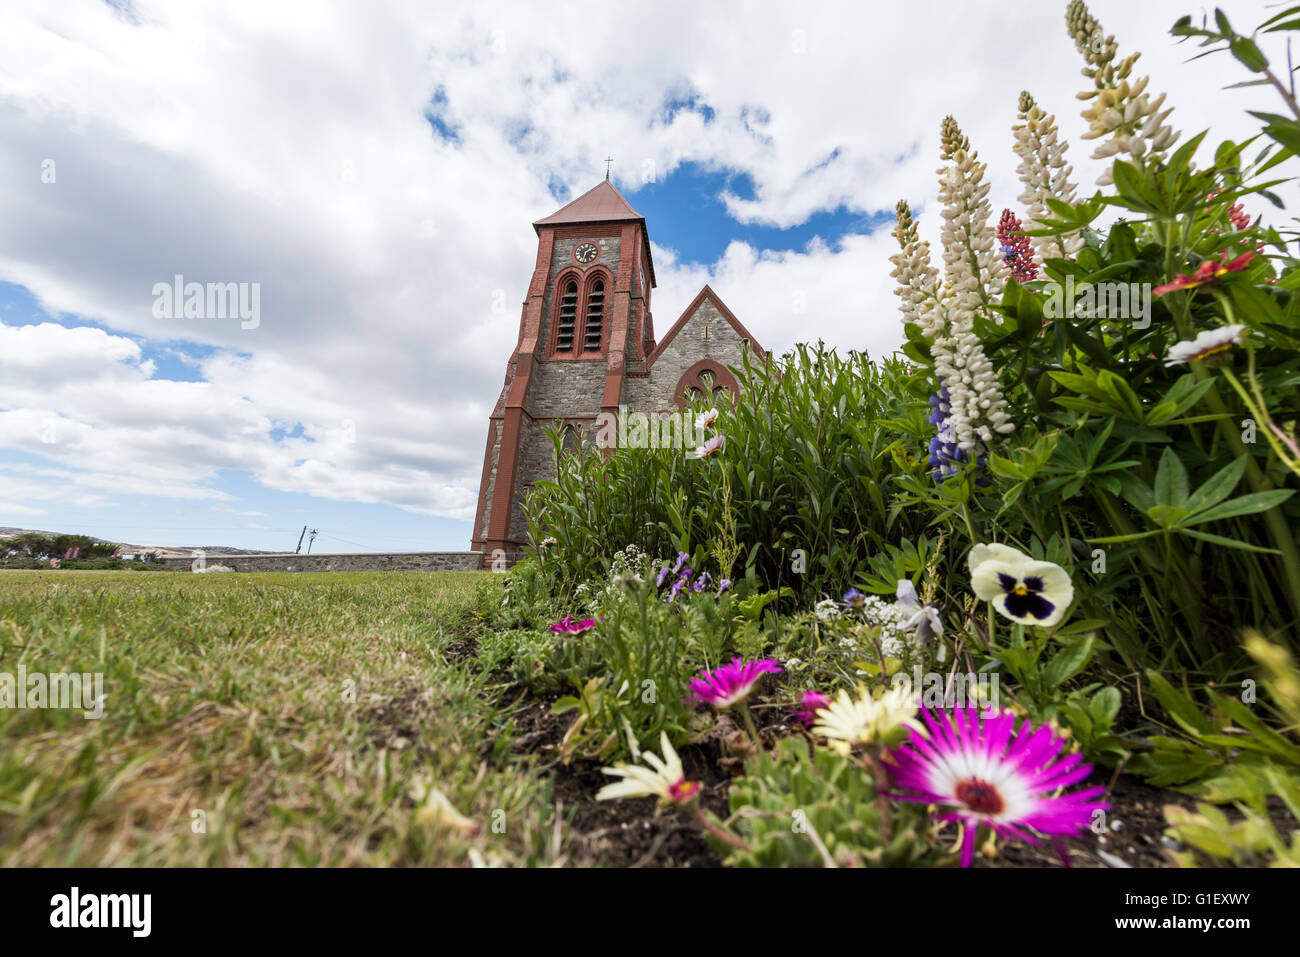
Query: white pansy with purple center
(1021,588)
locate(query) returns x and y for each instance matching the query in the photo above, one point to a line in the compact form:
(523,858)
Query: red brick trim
(585,281)
(691,377)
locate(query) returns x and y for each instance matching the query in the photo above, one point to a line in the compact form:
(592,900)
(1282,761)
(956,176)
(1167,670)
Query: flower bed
(995,581)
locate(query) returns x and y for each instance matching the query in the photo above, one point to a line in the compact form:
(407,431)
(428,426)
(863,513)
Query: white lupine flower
(917,277)
(1045,175)
(1122,113)
(973,278)
(971,256)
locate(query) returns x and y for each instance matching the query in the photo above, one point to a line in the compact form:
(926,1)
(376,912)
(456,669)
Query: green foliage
(1047,690)
(804,481)
(39,547)
(800,806)
(629,675)
(1233,757)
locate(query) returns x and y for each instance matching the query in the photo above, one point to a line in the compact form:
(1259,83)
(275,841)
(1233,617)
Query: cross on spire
(608,162)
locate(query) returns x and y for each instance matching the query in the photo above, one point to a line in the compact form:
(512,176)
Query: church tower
(586,322)
(586,346)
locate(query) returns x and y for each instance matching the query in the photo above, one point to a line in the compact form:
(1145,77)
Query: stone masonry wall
(403,561)
(655,391)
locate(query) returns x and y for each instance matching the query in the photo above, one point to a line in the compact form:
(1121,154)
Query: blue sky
(375,170)
(684,211)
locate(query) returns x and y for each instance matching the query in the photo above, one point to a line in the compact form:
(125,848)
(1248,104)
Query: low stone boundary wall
(402,561)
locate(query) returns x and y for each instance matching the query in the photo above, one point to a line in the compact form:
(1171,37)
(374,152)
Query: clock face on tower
(585,253)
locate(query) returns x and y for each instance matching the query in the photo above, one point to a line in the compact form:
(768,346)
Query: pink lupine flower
(1016,251)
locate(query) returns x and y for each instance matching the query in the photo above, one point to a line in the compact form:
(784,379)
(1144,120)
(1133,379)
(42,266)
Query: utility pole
(299,548)
(311,539)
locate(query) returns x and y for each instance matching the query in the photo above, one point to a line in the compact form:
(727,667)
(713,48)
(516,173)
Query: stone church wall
(655,392)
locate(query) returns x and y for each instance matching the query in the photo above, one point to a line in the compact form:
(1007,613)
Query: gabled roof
(706,293)
(600,204)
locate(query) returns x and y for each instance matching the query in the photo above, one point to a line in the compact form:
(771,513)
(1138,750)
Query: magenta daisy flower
(988,773)
(806,708)
(568,626)
(729,685)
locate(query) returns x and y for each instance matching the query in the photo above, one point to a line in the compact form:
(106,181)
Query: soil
(638,833)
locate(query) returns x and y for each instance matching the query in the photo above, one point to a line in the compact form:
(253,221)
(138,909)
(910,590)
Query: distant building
(586,347)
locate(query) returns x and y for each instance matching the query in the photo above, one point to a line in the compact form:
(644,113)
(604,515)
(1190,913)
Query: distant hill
(9,531)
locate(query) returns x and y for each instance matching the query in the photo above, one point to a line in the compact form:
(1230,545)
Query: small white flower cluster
(628,566)
(828,609)
(894,642)
(1045,175)
(1122,110)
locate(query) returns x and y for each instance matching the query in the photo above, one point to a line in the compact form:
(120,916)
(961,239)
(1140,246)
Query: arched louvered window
(568,318)
(595,325)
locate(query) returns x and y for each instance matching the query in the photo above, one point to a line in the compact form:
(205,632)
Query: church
(587,347)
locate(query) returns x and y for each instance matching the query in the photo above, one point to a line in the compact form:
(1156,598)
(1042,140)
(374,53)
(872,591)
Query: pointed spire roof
(600,204)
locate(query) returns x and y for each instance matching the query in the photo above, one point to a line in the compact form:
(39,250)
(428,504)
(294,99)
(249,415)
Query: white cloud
(287,144)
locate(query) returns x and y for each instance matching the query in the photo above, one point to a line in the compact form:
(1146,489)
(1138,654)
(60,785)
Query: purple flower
(663,573)
(806,708)
(682,559)
(702,582)
(988,773)
(854,599)
(722,586)
(712,447)
(567,626)
(729,685)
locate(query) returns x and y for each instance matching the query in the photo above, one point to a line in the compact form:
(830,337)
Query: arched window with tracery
(707,380)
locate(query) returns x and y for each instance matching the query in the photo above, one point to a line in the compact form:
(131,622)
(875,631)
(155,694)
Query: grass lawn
(271,719)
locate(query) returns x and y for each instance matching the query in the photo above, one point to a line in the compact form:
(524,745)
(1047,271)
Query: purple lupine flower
(946,457)
(806,708)
(702,582)
(729,685)
(682,559)
(663,574)
(722,586)
(990,774)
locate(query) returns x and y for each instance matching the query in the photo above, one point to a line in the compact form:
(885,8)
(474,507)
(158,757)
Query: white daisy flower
(848,721)
(1208,343)
(664,779)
